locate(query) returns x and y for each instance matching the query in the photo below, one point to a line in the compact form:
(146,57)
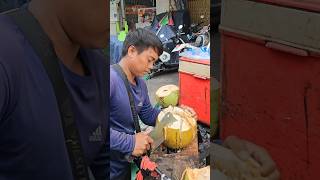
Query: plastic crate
(194,84)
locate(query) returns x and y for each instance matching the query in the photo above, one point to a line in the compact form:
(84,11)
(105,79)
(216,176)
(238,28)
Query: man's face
(142,63)
(85,21)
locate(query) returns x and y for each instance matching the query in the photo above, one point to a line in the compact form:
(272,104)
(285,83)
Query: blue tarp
(115,49)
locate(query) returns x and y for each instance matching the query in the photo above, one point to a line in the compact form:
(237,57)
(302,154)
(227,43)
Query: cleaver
(157,133)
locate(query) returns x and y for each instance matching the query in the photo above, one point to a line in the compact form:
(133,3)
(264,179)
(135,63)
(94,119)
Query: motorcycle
(170,38)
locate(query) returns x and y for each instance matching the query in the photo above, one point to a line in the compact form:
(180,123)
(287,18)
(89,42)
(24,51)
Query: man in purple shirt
(140,51)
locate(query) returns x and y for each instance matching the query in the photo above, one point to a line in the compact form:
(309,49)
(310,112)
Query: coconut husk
(180,133)
(196,174)
(226,162)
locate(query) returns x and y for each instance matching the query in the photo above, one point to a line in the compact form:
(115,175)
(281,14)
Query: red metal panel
(195,92)
(271,96)
(310,5)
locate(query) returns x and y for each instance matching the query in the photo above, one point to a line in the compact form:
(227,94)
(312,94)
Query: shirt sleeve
(121,142)
(148,114)
(4,92)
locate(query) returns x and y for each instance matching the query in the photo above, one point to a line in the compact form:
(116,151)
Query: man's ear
(132,51)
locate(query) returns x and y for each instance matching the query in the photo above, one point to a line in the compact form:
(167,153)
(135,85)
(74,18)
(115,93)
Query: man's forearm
(121,142)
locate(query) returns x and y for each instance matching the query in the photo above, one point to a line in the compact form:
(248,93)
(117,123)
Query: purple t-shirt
(121,122)
(32,144)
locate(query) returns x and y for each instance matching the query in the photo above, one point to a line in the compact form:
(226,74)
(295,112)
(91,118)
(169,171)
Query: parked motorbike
(202,37)
(170,38)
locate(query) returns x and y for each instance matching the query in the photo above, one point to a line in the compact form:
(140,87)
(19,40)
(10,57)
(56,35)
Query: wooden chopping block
(173,165)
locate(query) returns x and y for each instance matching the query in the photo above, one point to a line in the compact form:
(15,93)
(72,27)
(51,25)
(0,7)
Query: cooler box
(271,80)
(194,84)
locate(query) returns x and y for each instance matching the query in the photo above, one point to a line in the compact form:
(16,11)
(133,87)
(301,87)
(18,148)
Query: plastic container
(194,84)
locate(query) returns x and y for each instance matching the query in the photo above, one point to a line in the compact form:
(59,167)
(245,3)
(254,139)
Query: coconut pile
(180,133)
(227,166)
(198,174)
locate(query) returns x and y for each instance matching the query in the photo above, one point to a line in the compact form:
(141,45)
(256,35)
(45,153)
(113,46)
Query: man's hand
(190,111)
(142,144)
(245,150)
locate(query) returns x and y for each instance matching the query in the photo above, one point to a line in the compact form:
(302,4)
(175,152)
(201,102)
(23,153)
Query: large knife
(157,133)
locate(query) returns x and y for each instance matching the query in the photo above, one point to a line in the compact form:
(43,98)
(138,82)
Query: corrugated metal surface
(140,2)
(284,25)
(198,8)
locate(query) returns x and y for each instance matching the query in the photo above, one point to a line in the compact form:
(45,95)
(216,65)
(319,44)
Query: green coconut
(180,133)
(168,95)
(198,174)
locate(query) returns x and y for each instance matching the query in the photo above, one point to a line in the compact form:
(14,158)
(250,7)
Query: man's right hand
(142,144)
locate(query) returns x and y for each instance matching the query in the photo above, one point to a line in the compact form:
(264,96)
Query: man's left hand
(190,110)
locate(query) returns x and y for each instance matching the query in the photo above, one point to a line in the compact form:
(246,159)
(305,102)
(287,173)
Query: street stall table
(173,164)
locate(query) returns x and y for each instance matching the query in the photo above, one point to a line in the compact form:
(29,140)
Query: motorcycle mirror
(180,26)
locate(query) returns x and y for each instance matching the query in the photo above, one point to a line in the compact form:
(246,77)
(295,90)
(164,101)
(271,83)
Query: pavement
(156,82)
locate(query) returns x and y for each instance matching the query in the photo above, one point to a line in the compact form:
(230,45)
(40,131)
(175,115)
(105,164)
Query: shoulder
(14,47)
(12,41)
(114,81)
(113,75)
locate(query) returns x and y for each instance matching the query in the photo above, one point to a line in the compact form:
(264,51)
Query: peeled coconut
(198,174)
(226,162)
(180,133)
(168,95)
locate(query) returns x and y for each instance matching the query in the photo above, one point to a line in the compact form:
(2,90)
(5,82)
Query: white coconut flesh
(181,123)
(198,174)
(182,120)
(165,91)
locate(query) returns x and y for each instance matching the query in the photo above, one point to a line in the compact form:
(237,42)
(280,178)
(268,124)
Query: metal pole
(123,16)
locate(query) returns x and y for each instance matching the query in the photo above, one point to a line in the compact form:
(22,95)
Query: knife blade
(157,133)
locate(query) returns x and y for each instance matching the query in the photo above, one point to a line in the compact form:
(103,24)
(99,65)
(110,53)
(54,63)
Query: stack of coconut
(198,174)
(227,166)
(182,132)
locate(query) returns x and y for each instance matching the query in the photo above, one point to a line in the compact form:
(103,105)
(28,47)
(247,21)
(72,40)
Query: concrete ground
(156,82)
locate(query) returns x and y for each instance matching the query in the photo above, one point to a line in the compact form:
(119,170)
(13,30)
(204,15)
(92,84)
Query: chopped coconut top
(183,118)
(166,90)
(180,123)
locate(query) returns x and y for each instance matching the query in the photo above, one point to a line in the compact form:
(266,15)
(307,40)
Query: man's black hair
(142,39)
